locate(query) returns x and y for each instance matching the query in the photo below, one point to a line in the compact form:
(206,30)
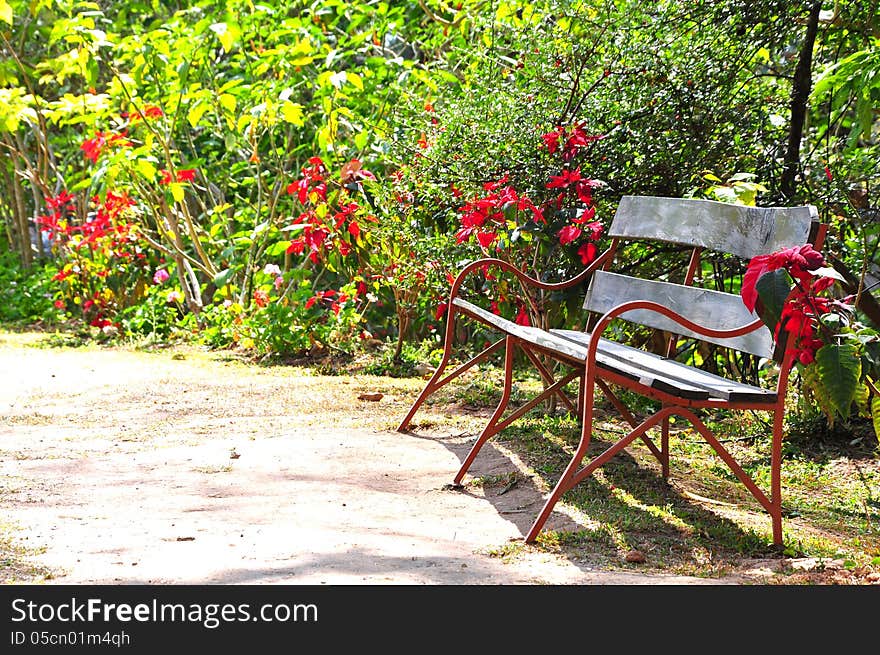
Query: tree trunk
(800,93)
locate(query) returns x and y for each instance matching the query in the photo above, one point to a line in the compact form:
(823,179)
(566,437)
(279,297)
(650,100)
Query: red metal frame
(437,380)
(592,376)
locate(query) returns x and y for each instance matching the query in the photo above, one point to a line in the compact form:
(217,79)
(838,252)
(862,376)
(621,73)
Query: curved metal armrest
(524,278)
(613,313)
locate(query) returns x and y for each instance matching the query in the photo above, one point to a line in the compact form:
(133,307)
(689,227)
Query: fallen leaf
(186,539)
(370,396)
(635,556)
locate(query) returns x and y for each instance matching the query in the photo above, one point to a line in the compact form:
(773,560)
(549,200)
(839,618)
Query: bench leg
(573,474)
(585,400)
(436,382)
(776,475)
(664,447)
(492,428)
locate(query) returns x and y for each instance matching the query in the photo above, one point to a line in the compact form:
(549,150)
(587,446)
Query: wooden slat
(717,386)
(735,229)
(578,352)
(712,309)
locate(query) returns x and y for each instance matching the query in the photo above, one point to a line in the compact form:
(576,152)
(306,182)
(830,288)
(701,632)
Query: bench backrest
(703,225)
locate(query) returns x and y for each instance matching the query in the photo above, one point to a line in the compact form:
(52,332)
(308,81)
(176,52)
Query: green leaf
(773,289)
(177,191)
(222,278)
(5,12)
(195,113)
(277,248)
(227,101)
(292,112)
(840,369)
(227,33)
(861,397)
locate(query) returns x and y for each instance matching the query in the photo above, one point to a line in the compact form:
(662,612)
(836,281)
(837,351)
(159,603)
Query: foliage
(367,150)
(838,357)
(26,295)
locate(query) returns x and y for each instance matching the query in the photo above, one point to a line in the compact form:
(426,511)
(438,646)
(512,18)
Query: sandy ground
(122,467)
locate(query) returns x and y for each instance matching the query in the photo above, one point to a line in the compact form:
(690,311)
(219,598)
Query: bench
(680,310)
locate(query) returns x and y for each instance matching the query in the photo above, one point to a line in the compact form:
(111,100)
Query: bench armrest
(623,308)
(524,278)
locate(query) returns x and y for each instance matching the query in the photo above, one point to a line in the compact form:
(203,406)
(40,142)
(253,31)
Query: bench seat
(648,369)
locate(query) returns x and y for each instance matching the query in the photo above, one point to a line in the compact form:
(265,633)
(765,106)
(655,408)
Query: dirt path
(120,467)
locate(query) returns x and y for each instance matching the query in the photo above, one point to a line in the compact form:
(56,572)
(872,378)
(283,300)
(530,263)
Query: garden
(294,186)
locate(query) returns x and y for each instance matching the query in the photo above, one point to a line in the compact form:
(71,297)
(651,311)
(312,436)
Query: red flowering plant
(838,357)
(104,265)
(317,292)
(550,227)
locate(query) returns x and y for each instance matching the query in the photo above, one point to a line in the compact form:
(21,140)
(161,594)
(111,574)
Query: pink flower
(272,269)
(160,276)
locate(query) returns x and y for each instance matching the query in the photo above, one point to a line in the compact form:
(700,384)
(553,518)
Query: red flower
(552,139)
(564,179)
(92,148)
(296,246)
(486,239)
(63,200)
(441,310)
(150,111)
(261,298)
(492,186)
(578,140)
(568,234)
(522,317)
(185,175)
(798,261)
(587,253)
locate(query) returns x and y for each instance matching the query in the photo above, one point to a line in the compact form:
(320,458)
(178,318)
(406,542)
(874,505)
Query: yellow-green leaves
(227,33)
(195,113)
(146,169)
(177,191)
(15,106)
(292,112)
(5,12)
(227,101)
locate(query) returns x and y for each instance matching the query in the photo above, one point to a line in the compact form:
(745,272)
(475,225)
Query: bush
(27,296)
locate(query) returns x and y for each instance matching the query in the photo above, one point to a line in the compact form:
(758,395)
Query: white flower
(272,269)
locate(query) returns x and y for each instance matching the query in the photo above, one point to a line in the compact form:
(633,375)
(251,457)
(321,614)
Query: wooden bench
(680,310)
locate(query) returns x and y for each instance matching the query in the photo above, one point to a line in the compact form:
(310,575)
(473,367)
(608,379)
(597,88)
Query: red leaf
(486,239)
